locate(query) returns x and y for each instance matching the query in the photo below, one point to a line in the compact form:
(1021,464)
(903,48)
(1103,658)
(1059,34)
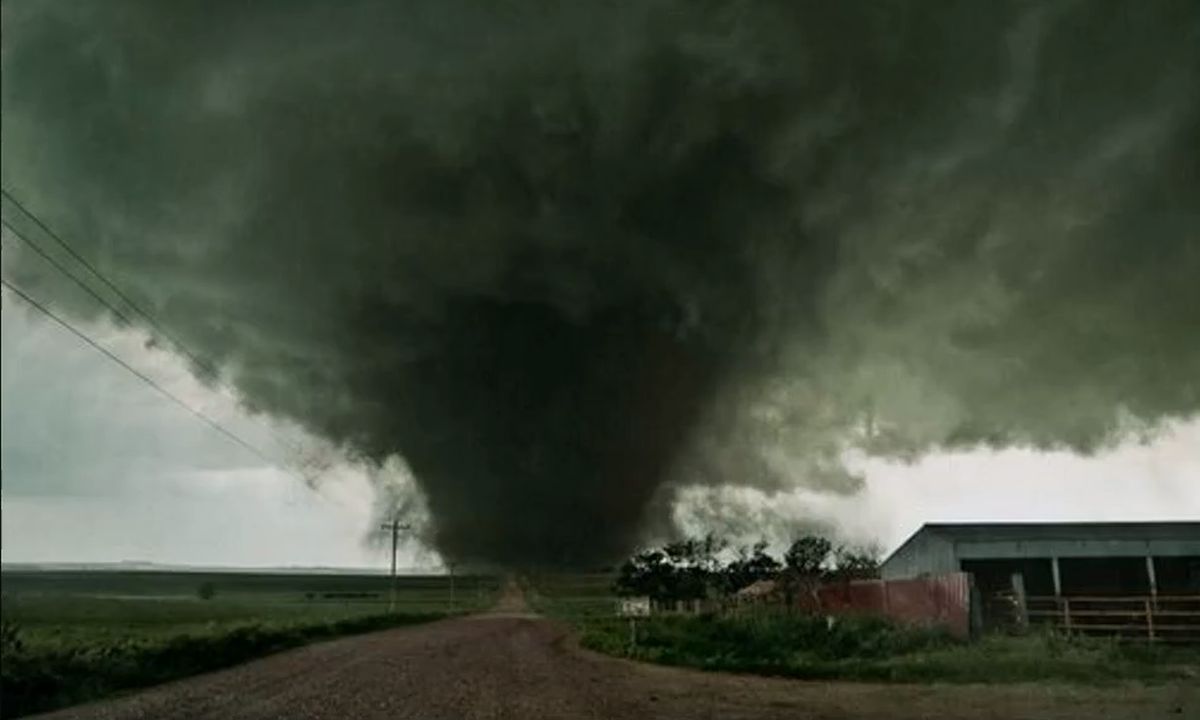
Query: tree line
(707,567)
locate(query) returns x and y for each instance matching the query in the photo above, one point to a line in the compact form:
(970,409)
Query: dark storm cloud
(564,258)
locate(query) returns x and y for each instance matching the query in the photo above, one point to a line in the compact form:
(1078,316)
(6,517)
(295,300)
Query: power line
(134,371)
(105,302)
(74,278)
(208,367)
(394,527)
(200,362)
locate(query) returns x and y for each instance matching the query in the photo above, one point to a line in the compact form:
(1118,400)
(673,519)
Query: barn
(1030,572)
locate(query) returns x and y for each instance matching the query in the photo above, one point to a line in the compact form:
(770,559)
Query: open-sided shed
(1058,558)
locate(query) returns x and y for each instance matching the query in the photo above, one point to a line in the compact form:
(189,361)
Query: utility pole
(395,526)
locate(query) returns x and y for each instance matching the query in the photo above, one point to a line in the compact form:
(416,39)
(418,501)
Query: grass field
(69,636)
(571,596)
(794,645)
(53,607)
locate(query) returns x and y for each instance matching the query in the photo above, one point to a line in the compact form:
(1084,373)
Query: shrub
(10,638)
(872,648)
(785,644)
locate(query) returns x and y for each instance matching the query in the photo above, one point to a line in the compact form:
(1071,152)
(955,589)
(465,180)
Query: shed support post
(1151,576)
(1022,609)
(975,610)
(1057,574)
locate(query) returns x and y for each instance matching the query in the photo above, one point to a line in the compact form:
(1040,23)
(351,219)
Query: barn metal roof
(1034,532)
(1163,530)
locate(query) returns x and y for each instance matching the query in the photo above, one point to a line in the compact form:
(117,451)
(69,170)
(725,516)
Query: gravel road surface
(512,664)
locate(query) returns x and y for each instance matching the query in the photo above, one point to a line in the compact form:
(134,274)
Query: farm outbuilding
(1039,569)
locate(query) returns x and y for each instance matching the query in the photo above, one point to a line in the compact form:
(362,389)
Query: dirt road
(510,664)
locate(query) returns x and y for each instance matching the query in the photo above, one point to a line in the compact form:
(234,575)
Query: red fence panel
(943,601)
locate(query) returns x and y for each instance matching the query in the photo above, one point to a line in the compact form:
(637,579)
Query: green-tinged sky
(99,468)
(590,271)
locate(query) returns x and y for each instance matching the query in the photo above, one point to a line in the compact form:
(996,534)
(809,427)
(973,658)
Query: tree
(206,591)
(806,562)
(647,573)
(856,563)
(752,565)
(700,553)
(808,555)
(681,570)
(696,566)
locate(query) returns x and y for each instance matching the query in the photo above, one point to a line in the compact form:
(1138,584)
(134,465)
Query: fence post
(1149,620)
(1066,604)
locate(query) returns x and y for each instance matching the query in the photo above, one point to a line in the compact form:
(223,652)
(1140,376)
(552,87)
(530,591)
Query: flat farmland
(69,636)
(53,606)
(511,663)
(575,597)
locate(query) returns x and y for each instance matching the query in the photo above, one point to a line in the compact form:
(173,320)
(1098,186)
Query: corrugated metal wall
(941,601)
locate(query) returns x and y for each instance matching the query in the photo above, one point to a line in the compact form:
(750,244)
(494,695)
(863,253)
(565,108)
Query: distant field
(62,605)
(70,636)
(572,596)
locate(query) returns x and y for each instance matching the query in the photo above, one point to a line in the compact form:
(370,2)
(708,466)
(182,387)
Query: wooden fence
(1172,619)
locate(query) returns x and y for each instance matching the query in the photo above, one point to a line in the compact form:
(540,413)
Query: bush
(10,638)
(760,643)
(871,648)
(206,591)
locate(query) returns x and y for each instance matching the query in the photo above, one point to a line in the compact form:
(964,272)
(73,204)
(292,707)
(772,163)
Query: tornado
(566,259)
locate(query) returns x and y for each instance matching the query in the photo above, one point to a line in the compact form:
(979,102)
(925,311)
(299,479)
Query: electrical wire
(49,232)
(101,277)
(74,278)
(140,375)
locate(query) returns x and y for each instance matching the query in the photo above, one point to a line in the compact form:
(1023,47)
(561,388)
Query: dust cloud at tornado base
(566,261)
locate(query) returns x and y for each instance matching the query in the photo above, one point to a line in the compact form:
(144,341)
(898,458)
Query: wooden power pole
(395,526)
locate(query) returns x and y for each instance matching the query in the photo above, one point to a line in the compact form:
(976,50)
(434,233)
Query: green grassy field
(795,645)
(571,596)
(69,636)
(52,607)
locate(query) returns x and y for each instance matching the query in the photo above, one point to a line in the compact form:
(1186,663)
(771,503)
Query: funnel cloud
(567,259)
